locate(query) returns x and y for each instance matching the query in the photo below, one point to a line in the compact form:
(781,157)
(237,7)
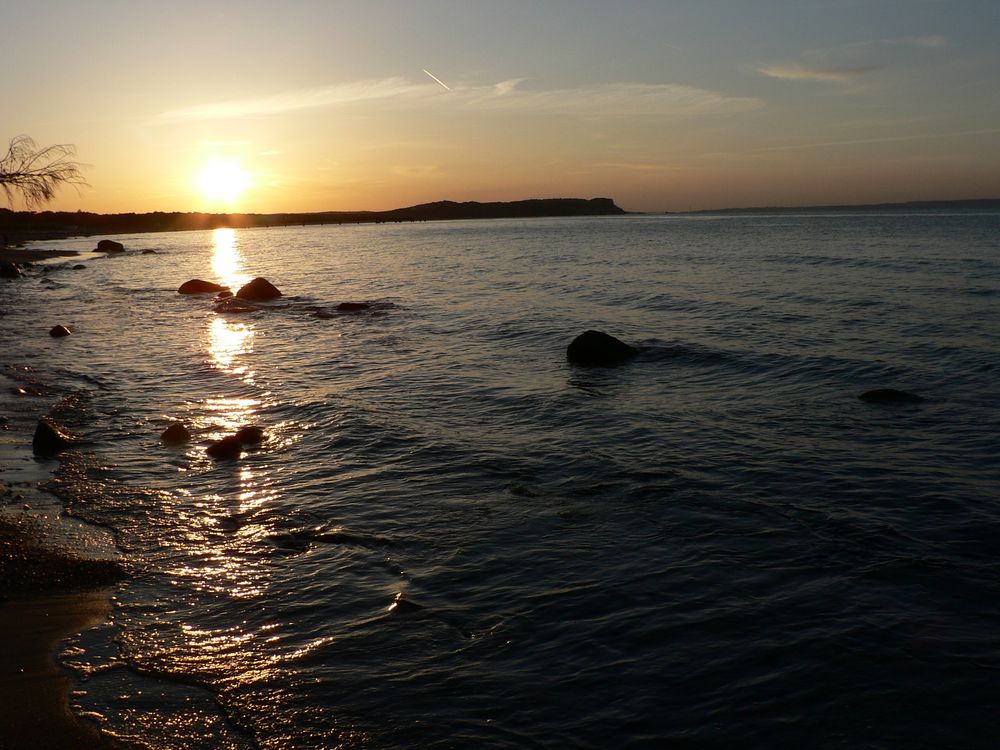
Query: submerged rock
(258,289)
(175,434)
(224,294)
(79,267)
(232,304)
(49,438)
(250,435)
(353,306)
(199,286)
(148,251)
(228,448)
(599,349)
(110,246)
(57,332)
(889,396)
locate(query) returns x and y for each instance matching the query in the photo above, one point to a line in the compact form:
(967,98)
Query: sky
(309,105)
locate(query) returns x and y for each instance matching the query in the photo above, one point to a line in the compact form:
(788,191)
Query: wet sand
(34,692)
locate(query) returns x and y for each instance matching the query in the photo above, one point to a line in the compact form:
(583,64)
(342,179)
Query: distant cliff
(511,210)
(18,225)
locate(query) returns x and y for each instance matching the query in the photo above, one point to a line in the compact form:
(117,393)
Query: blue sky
(661,105)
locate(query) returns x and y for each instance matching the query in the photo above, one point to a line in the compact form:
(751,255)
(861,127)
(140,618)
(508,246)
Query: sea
(452,537)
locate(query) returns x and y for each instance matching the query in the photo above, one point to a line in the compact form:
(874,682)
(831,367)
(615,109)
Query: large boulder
(199,286)
(599,349)
(49,438)
(250,435)
(889,396)
(258,289)
(228,448)
(110,246)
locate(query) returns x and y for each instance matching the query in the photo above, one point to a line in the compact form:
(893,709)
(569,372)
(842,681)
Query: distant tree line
(71,223)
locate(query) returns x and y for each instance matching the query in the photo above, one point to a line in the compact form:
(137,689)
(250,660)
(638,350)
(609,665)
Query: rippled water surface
(450,537)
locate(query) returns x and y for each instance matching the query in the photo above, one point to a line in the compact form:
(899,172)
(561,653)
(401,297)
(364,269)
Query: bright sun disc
(223,180)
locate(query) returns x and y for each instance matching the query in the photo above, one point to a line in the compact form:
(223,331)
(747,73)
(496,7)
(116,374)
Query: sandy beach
(46,580)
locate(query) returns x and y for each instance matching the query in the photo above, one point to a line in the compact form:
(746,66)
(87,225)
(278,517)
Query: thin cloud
(927,42)
(884,139)
(614,99)
(604,100)
(806,73)
(290,101)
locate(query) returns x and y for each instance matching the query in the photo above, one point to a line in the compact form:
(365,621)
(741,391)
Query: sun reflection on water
(226,343)
(227,261)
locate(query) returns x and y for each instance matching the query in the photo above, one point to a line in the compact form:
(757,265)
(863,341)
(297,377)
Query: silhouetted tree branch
(36,173)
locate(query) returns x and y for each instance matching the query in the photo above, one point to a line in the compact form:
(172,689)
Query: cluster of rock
(590,349)
(258,290)
(229,447)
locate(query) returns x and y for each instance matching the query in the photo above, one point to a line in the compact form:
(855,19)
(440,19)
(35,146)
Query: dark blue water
(451,537)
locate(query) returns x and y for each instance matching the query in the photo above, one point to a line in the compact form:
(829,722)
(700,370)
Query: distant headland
(975,204)
(20,225)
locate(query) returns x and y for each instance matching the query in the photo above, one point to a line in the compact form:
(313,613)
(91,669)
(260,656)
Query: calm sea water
(451,537)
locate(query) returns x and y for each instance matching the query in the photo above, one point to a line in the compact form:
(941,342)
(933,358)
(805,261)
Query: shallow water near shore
(450,537)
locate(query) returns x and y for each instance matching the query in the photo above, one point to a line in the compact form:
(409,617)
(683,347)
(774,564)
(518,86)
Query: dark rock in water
(147,251)
(175,434)
(79,267)
(402,606)
(224,294)
(9,271)
(49,438)
(57,332)
(889,396)
(599,349)
(227,448)
(353,306)
(250,435)
(110,246)
(199,286)
(258,289)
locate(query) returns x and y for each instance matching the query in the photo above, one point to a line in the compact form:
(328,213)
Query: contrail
(436,79)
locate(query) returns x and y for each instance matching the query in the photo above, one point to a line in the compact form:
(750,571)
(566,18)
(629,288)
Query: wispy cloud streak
(289,101)
(604,100)
(807,73)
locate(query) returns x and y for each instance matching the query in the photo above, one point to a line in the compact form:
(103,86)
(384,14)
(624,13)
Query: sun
(223,180)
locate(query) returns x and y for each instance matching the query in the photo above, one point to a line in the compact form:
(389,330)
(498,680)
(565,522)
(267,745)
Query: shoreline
(34,689)
(56,574)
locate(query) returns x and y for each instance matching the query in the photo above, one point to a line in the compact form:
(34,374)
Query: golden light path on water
(227,260)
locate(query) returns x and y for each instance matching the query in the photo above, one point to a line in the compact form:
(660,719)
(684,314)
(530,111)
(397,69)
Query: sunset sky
(662,105)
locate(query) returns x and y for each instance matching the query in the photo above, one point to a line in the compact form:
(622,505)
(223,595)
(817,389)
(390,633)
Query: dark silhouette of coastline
(22,225)
(975,204)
